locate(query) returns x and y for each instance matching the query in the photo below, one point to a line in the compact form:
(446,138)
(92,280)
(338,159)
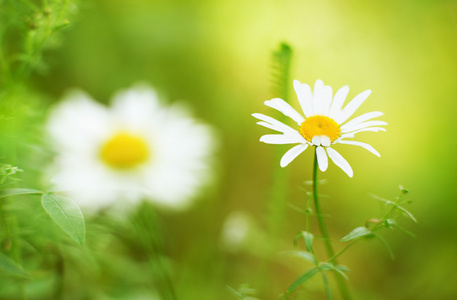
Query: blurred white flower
(136,149)
(323,126)
(236,230)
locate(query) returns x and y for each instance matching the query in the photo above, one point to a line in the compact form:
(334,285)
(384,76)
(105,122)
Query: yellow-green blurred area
(215,56)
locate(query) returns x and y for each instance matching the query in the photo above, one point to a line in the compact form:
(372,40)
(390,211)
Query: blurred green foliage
(216,56)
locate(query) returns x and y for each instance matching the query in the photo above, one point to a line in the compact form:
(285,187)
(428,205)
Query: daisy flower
(323,124)
(136,149)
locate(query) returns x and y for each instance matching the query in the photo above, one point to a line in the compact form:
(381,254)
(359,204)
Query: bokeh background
(216,57)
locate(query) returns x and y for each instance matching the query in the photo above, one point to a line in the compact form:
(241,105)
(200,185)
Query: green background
(216,57)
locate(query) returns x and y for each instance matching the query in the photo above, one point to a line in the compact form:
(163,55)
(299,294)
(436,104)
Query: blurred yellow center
(320,125)
(124,151)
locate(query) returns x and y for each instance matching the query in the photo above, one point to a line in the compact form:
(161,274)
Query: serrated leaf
(67,214)
(14,192)
(10,267)
(302,279)
(357,233)
(301,254)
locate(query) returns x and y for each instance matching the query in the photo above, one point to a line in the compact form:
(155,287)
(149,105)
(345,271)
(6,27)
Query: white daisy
(133,150)
(323,125)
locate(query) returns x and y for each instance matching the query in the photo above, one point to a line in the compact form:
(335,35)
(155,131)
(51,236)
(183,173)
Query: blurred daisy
(133,150)
(237,228)
(325,123)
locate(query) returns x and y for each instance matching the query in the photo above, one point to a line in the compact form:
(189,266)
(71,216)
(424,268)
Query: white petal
(325,99)
(268,125)
(338,101)
(316,140)
(364,145)
(362,118)
(340,161)
(135,104)
(350,109)
(317,92)
(352,134)
(78,123)
(305,97)
(282,139)
(322,158)
(362,125)
(286,109)
(292,154)
(325,140)
(279,126)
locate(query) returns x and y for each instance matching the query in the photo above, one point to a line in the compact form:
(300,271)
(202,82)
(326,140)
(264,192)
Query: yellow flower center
(320,125)
(124,151)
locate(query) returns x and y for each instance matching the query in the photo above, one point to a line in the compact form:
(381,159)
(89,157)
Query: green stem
(328,245)
(387,214)
(320,218)
(60,270)
(341,251)
(327,287)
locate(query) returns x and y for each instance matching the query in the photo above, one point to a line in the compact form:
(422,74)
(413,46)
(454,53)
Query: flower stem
(328,245)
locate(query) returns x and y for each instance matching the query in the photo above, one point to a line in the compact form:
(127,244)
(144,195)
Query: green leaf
(243,293)
(393,224)
(296,208)
(308,237)
(380,199)
(403,189)
(58,27)
(407,213)
(357,233)
(390,223)
(388,202)
(302,279)
(67,214)
(339,269)
(326,266)
(281,63)
(9,266)
(387,246)
(14,192)
(234,292)
(308,240)
(342,268)
(301,254)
